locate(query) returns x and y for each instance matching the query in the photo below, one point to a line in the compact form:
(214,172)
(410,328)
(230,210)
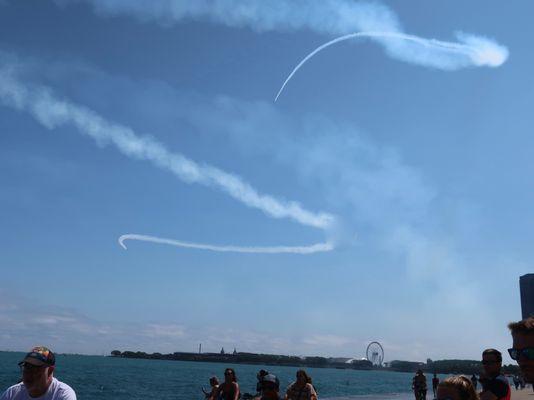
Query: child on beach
(212,394)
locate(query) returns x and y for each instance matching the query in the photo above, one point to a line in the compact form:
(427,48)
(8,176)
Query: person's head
(269,386)
(523,347)
(261,374)
(456,388)
(229,375)
(492,362)
(214,381)
(302,377)
(38,370)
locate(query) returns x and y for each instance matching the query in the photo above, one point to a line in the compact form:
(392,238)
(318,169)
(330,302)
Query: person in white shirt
(38,380)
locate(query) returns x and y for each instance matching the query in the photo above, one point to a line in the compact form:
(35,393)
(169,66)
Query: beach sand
(525,394)
(393,396)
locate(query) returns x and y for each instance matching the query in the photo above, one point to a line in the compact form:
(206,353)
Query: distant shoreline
(465,367)
(250,359)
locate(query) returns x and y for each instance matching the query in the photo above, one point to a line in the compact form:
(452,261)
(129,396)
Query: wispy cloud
(26,324)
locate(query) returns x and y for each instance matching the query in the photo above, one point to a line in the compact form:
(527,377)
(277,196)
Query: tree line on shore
(467,367)
(247,358)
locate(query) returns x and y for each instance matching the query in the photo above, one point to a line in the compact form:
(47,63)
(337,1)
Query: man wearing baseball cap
(38,380)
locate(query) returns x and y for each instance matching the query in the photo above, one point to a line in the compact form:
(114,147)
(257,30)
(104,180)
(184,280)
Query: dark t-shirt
(498,386)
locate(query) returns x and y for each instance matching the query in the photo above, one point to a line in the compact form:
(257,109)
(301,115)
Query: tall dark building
(526,284)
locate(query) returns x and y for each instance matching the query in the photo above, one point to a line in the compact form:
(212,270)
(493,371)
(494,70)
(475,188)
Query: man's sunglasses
(24,366)
(527,353)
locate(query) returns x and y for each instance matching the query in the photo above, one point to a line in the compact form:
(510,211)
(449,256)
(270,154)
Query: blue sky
(422,156)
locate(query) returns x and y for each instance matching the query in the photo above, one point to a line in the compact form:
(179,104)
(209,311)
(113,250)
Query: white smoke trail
(330,17)
(314,248)
(474,50)
(52,112)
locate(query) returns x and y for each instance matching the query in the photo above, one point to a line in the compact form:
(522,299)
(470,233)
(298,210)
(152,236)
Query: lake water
(96,377)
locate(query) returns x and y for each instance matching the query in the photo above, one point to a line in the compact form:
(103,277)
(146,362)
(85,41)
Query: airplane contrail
(52,112)
(310,249)
(478,51)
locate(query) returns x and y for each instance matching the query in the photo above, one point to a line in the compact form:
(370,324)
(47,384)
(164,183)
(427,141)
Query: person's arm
(236,391)
(313,393)
(217,392)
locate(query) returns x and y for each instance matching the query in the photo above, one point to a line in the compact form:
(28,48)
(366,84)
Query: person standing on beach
(435,383)
(301,389)
(419,385)
(229,390)
(523,347)
(495,386)
(38,379)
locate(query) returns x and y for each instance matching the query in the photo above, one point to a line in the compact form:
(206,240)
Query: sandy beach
(525,394)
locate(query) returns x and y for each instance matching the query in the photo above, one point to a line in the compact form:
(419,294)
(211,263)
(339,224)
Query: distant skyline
(386,195)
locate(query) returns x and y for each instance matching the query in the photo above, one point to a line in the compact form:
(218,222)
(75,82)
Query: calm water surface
(96,377)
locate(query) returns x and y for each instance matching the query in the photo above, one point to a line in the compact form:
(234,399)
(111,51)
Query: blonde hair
(462,385)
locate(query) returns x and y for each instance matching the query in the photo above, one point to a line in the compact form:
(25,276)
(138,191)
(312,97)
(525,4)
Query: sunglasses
(527,352)
(24,366)
(486,362)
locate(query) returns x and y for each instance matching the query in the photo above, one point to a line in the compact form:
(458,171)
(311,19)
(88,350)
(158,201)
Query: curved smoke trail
(53,112)
(479,51)
(310,249)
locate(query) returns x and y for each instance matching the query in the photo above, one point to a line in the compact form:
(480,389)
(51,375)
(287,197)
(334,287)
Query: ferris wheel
(375,353)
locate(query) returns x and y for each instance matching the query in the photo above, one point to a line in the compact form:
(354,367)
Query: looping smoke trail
(314,248)
(479,51)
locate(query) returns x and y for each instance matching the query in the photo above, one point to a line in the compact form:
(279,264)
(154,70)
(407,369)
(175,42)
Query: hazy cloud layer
(26,324)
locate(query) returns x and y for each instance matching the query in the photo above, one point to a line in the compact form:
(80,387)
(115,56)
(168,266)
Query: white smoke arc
(310,249)
(474,50)
(53,112)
